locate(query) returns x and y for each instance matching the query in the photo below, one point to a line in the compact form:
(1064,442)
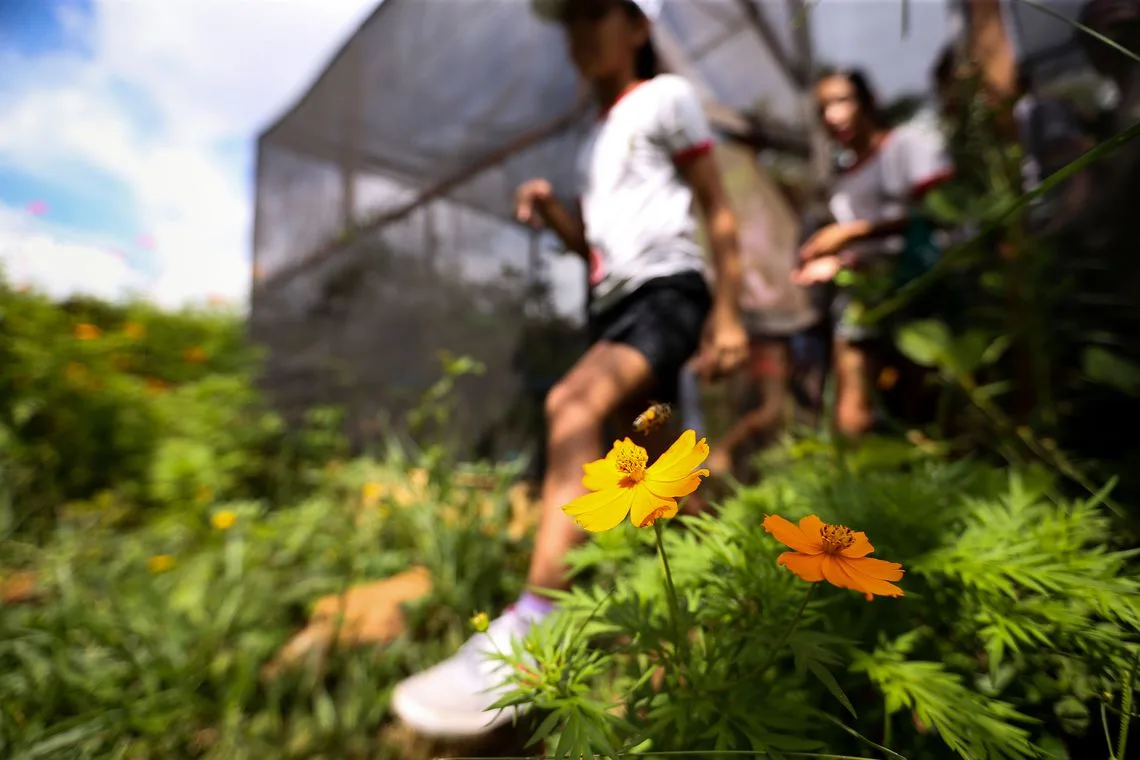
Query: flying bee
(652,418)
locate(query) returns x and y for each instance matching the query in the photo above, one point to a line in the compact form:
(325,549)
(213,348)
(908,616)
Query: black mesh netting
(416,136)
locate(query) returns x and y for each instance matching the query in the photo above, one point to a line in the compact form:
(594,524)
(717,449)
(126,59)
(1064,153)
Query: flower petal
(601,474)
(861,548)
(648,507)
(809,567)
(812,527)
(601,510)
(674,489)
(836,575)
(840,572)
(685,455)
(791,536)
(877,568)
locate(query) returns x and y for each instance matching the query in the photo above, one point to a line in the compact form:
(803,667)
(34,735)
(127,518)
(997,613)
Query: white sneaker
(450,700)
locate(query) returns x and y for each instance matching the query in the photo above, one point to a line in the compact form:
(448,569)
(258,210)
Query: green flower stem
(682,642)
(1126,707)
(774,651)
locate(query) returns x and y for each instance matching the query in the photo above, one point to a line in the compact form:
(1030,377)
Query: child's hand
(725,346)
(817,271)
(827,242)
(529,199)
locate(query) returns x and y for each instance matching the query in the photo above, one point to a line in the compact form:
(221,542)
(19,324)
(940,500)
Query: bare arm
(725,342)
(566,225)
(536,205)
(703,176)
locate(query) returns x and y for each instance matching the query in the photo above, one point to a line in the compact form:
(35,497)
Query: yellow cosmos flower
(160,563)
(622,484)
(371,492)
(223,520)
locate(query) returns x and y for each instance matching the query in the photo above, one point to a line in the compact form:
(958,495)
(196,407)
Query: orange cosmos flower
(833,553)
(134,330)
(195,355)
(622,484)
(155,386)
(85,331)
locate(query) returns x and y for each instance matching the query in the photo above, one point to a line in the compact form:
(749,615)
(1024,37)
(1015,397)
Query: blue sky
(133,120)
(33,26)
(92,199)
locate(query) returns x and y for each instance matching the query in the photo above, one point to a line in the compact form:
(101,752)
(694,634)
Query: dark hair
(1102,15)
(646,63)
(1119,20)
(944,68)
(864,94)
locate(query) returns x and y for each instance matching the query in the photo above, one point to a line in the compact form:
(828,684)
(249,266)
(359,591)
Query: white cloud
(209,72)
(60,264)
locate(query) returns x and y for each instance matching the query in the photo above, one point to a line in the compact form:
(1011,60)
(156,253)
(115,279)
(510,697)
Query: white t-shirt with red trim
(910,160)
(636,206)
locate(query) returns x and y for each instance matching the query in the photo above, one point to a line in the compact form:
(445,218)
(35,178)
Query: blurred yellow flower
(160,563)
(480,621)
(87,331)
(622,484)
(403,496)
(371,492)
(134,330)
(419,477)
(195,355)
(223,520)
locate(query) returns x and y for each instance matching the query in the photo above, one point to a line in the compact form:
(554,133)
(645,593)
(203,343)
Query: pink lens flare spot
(37,208)
(145,241)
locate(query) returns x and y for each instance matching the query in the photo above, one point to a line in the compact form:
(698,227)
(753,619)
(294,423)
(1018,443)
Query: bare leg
(854,406)
(605,378)
(454,698)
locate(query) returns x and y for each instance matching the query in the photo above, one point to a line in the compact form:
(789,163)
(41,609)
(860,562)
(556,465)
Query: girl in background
(884,173)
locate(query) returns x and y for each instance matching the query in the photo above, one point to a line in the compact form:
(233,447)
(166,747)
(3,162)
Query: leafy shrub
(130,405)
(151,642)
(1019,621)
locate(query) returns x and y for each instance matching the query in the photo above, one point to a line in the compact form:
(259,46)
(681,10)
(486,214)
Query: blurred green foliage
(136,408)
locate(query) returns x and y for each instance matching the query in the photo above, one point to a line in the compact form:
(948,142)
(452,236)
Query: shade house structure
(384,240)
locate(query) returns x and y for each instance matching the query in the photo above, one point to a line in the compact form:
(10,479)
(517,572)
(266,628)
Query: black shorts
(663,319)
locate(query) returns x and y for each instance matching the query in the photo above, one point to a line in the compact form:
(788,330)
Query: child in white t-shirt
(645,164)
(886,174)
